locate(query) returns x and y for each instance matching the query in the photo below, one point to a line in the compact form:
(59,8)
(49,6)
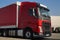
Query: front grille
(46,26)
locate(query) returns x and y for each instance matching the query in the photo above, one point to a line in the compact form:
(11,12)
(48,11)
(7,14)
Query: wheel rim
(56,30)
(28,34)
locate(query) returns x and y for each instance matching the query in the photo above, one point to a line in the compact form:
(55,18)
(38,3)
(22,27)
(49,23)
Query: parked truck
(55,21)
(26,19)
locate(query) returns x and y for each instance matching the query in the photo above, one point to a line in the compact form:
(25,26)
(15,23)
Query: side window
(36,14)
(31,12)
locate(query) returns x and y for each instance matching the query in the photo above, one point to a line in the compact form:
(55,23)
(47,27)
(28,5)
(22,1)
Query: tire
(56,30)
(52,30)
(28,34)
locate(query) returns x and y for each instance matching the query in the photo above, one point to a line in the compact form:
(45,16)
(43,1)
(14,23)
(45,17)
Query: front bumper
(46,34)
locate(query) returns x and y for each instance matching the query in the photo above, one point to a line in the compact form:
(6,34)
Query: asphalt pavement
(55,36)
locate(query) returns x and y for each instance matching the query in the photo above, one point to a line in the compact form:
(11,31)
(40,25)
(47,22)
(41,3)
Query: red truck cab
(35,16)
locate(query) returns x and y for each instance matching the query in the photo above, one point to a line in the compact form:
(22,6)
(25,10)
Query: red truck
(26,19)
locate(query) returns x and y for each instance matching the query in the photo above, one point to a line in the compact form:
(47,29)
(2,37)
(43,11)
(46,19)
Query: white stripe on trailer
(17,17)
(18,4)
(11,26)
(17,14)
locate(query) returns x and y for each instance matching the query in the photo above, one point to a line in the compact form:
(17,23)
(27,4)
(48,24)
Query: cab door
(33,18)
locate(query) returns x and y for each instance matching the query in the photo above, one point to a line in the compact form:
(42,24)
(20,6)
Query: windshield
(44,12)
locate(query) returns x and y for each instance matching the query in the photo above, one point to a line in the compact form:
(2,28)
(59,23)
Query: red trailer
(26,19)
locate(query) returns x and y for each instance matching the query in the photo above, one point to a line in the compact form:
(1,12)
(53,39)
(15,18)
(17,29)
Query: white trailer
(55,23)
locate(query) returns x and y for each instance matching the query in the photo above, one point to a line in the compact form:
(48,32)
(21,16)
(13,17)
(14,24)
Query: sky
(53,5)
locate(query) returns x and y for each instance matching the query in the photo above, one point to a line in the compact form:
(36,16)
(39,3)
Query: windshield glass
(44,12)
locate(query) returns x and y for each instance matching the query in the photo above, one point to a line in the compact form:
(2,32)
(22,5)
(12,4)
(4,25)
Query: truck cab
(34,16)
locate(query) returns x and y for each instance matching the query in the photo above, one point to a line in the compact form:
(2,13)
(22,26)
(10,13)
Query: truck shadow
(45,39)
(34,38)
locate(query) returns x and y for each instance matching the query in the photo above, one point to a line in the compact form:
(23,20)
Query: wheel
(52,30)
(56,30)
(28,34)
